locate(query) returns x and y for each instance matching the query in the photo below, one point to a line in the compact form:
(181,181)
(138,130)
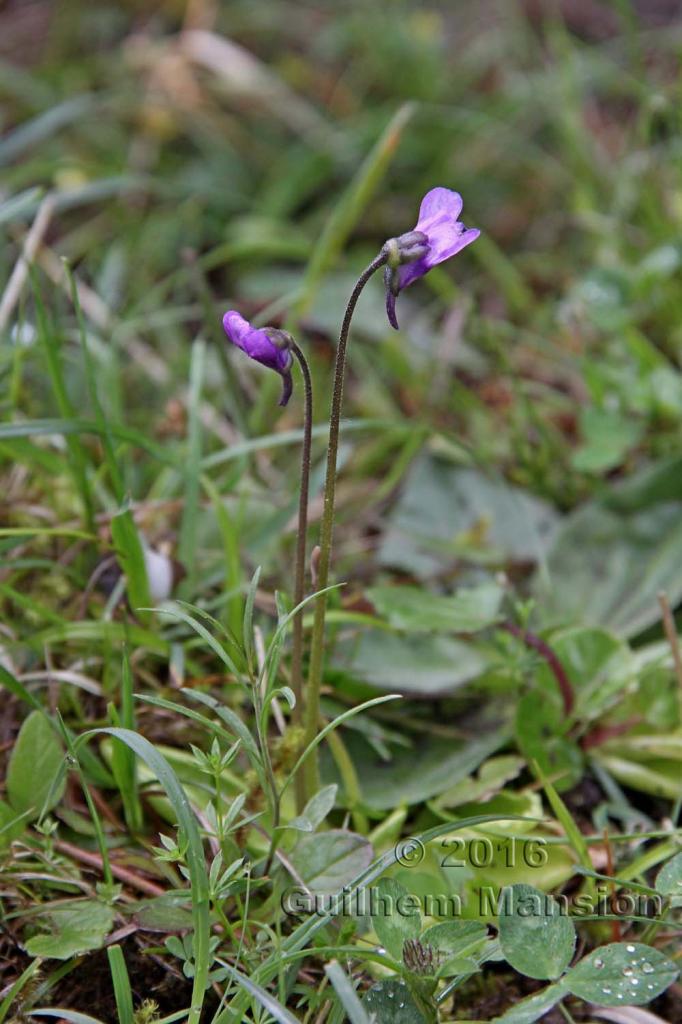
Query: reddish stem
(603,733)
(535,643)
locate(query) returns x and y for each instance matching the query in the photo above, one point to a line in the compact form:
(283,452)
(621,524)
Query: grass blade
(195,855)
(346,993)
(38,428)
(188,529)
(72,1016)
(121,983)
(22,980)
(91,378)
(350,207)
(130,555)
(334,725)
(268,1002)
(78,457)
(248,621)
(234,609)
(563,815)
(122,757)
(18,689)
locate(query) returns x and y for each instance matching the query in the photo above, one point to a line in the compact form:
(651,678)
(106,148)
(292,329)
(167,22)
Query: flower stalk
(312,704)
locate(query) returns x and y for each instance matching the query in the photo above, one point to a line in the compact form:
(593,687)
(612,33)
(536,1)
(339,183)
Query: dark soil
(88,988)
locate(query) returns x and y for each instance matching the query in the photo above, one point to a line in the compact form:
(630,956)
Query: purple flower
(438,235)
(266,345)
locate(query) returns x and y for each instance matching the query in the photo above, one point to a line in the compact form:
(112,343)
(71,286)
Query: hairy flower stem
(299,570)
(312,708)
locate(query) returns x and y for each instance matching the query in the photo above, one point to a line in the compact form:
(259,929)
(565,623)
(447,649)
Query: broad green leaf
(649,762)
(445,511)
(422,771)
(541,726)
(598,664)
(326,862)
(490,778)
(657,777)
(612,556)
(537,939)
(645,746)
(534,1007)
(35,761)
(390,1002)
(421,665)
(622,973)
(607,438)
(315,811)
(12,824)
(75,929)
(395,915)
(455,941)
(669,880)
(165,913)
(418,611)
(455,938)
(507,853)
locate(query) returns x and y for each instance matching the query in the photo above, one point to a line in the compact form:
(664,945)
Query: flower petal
(261,348)
(236,328)
(287,386)
(449,240)
(439,202)
(255,343)
(390,309)
(446,239)
(410,272)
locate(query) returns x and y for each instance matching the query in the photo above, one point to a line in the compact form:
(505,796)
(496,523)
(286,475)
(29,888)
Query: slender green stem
(299,572)
(301,537)
(312,708)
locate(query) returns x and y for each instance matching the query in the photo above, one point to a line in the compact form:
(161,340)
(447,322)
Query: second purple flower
(265,345)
